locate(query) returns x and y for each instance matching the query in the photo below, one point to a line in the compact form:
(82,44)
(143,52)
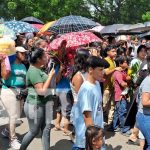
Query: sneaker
(5,133)
(15,144)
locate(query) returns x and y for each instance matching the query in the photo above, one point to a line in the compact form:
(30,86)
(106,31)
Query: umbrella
(37,26)
(111,29)
(74,40)
(71,24)
(6,32)
(32,20)
(46,26)
(145,35)
(20,27)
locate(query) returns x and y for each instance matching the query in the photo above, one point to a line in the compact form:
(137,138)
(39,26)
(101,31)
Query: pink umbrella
(37,26)
(74,40)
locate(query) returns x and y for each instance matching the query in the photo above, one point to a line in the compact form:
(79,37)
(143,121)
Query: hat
(20,49)
(121,38)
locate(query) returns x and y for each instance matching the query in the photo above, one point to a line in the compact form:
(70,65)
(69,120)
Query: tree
(146,17)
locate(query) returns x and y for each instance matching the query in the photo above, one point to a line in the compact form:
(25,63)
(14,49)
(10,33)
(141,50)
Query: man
(108,96)
(88,110)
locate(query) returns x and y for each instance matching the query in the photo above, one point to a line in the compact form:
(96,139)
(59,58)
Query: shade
(32,20)
(71,24)
(74,40)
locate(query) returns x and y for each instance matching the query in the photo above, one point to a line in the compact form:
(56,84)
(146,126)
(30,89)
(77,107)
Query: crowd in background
(99,85)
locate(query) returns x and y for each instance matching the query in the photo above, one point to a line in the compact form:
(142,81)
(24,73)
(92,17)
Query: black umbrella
(32,20)
(71,24)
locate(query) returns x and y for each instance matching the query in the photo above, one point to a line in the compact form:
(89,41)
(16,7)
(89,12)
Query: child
(88,109)
(94,137)
(120,86)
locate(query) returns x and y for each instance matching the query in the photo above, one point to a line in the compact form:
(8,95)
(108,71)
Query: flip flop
(67,133)
(130,142)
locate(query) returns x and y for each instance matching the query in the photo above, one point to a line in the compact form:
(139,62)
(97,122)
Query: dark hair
(140,48)
(121,51)
(92,132)
(80,62)
(94,62)
(120,60)
(95,44)
(35,55)
(110,39)
(148,63)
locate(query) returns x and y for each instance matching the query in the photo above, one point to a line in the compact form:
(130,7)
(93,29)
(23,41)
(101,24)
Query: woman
(38,105)
(12,81)
(143,115)
(136,62)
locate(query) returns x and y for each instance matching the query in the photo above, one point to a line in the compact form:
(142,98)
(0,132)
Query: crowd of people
(99,86)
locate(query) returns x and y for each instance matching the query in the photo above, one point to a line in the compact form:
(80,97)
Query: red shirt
(119,77)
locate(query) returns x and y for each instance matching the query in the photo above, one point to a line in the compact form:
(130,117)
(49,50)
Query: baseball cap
(20,49)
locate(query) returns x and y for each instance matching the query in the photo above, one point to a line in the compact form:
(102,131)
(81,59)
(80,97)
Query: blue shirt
(17,76)
(89,99)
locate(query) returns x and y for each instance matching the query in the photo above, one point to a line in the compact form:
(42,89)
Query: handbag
(21,93)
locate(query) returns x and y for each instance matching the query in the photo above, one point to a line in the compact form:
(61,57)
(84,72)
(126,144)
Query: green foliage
(146,17)
(102,11)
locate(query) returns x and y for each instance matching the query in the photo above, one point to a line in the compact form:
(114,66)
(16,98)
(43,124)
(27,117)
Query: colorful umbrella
(74,40)
(37,26)
(20,27)
(6,32)
(32,20)
(46,26)
(71,24)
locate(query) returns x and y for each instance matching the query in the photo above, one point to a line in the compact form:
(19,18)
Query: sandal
(136,142)
(58,129)
(68,133)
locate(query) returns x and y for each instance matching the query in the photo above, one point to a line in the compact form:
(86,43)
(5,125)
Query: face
(142,54)
(97,143)
(43,45)
(112,53)
(21,56)
(30,42)
(143,42)
(136,41)
(124,65)
(97,73)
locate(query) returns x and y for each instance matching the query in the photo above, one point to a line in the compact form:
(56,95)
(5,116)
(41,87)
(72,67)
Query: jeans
(120,115)
(77,148)
(39,119)
(143,123)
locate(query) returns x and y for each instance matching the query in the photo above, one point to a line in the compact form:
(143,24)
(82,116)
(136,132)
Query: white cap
(121,38)
(20,49)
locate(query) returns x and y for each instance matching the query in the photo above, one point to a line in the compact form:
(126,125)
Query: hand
(118,69)
(52,72)
(94,52)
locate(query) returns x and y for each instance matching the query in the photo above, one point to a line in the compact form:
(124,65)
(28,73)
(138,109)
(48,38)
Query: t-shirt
(89,99)
(119,77)
(108,84)
(135,67)
(17,76)
(144,87)
(34,76)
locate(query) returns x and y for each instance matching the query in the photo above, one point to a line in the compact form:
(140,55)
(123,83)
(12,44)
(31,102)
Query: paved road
(60,142)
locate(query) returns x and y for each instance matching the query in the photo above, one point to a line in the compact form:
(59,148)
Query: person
(94,137)
(38,107)
(29,44)
(108,95)
(143,114)
(136,62)
(120,85)
(88,109)
(12,81)
(143,41)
